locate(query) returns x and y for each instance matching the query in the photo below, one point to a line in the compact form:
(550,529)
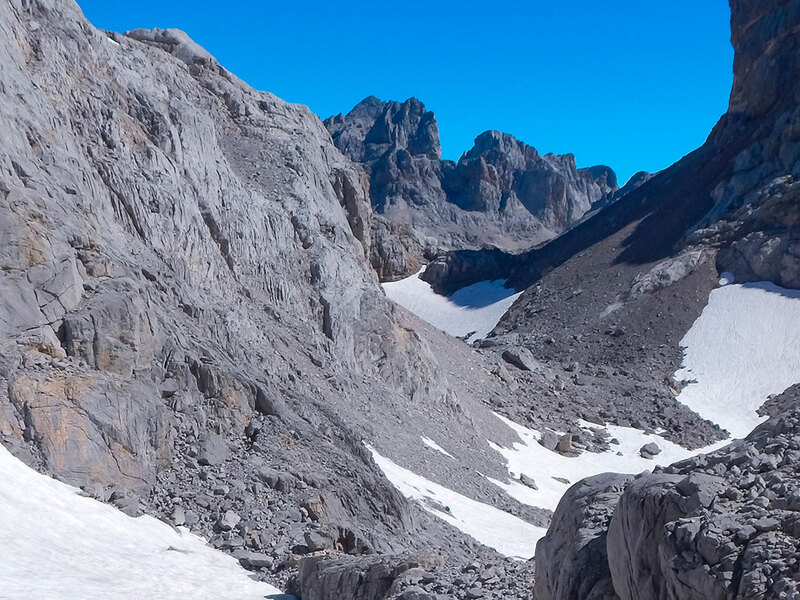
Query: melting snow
(490,526)
(431,444)
(742,349)
(543,465)
(56,544)
(474,309)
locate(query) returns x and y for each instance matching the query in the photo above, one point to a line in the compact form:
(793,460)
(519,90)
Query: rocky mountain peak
(496,144)
(374,127)
(501,192)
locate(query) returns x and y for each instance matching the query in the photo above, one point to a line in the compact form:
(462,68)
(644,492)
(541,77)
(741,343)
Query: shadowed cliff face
(766,64)
(501,192)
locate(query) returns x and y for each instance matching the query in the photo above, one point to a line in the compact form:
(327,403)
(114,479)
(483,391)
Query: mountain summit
(501,192)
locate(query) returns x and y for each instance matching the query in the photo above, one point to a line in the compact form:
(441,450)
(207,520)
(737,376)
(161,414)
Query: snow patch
(491,526)
(473,310)
(544,466)
(58,545)
(431,444)
(744,347)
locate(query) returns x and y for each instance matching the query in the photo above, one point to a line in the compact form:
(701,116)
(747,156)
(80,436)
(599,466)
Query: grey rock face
(500,172)
(356,578)
(572,559)
(755,215)
(667,272)
(760,240)
(501,192)
(187,315)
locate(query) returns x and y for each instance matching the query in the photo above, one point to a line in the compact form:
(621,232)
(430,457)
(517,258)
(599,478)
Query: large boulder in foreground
(719,526)
(571,560)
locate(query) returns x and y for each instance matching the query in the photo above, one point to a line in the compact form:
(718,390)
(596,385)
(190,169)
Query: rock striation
(501,192)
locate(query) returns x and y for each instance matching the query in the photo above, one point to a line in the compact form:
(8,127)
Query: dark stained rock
(354,578)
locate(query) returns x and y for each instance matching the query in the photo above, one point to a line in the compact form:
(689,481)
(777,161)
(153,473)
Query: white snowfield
(529,457)
(490,526)
(475,309)
(743,348)
(58,545)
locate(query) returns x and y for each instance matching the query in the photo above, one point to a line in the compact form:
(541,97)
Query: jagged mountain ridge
(501,192)
(718,195)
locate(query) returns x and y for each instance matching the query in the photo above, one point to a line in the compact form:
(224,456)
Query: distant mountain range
(501,192)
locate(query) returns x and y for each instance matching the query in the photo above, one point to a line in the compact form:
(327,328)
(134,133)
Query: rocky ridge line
(501,192)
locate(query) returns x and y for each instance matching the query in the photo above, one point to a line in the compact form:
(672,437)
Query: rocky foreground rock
(720,526)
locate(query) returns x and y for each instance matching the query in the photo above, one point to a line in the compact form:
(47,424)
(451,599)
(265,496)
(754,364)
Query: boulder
(572,559)
(213,450)
(649,450)
(522,359)
(351,577)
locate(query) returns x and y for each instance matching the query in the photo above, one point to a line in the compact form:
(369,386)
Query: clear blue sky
(635,85)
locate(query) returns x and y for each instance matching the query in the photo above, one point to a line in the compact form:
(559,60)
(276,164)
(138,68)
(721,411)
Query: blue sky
(635,85)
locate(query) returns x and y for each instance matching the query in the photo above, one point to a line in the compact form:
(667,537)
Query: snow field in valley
(744,347)
(473,310)
(58,545)
(529,457)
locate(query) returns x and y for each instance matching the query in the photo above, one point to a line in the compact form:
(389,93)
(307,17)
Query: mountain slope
(620,290)
(719,525)
(187,314)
